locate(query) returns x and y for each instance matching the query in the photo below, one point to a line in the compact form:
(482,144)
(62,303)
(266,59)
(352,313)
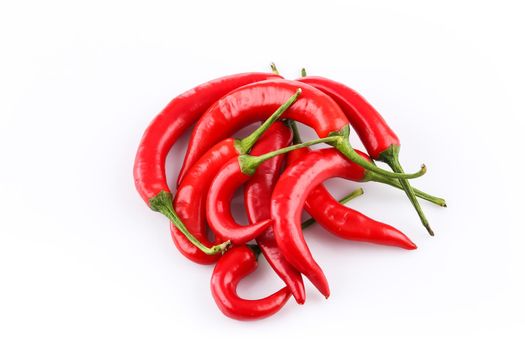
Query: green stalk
(344,200)
(390,156)
(163,203)
(296,136)
(249,164)
(375,177)
(395,183)
(343,145)
(274,68)
(247,143)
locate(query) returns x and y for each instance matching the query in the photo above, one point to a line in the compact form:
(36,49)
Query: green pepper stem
(343,145)
(163,203)
(344,200)
(296,136)
(395,183)
(376,177)
(247,143)
(390,156)
(249,164)
(274,68)
(303,72)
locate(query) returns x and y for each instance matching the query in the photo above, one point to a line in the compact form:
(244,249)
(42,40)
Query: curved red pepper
(379,139)
(371,127)
(230,269)
(184,110)
(218,210)
(288,199)
(350,224)
(232,175)
(251,103)
(190,200)
(257,197)
(343,221)
(149,168)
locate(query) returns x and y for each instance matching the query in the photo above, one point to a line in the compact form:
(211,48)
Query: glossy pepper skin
(149,168)
(379,139)
(235,264)
(257,198)
(190,200)
(371,127)
(288,199)
(232,175)
(251,103)
(343,221)
(184,110)
(218,210)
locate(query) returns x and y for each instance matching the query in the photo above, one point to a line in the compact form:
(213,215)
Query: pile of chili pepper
(280,176)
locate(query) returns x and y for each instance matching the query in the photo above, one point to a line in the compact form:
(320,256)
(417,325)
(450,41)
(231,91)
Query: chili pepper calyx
(248,164)
(158,203)
(343,145)
(163,203)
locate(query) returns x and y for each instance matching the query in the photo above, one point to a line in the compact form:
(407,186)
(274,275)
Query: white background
(85,264)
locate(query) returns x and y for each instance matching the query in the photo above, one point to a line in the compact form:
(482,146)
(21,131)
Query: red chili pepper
(163,132)
(257,197)
(350,224)
(288,198)
(232,175)
(378,138)
(190,200)
(248,104)
(339,219)
(347,198)
(235,264)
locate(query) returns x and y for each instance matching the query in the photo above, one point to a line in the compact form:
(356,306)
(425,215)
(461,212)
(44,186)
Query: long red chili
(235,264)
(149,168)
(257,197)
(378,138)
(350,224)
(288,198)
(233,175)
(190,200)
(341,220)
(250,103)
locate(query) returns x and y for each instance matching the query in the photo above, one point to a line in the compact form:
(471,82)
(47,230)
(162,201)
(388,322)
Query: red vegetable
(257,197)
(232,175)
(163,132)
(235,264)
(350,224)
(252,102)
(378,138)
(288,198)
(190,200)
(339,219)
